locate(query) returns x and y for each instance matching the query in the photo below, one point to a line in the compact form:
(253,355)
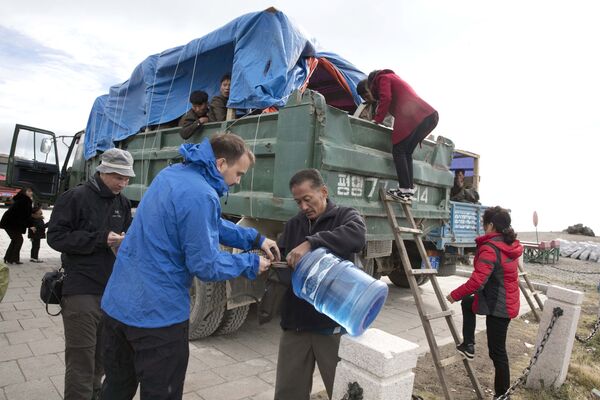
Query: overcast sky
(514,81)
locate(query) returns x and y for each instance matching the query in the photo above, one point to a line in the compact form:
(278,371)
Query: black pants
(155,358)
(82,320)
(497,329)
(402,151)
(14,248)
(35,248)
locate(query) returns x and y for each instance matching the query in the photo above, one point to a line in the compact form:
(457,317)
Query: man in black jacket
(87,225)
(309,336)
(193,121)
(218,104)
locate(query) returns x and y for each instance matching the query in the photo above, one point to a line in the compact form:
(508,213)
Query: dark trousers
(298,352)
(402,151)
(14,248)
(496,329)
(82,320)
(35,248)
(154,358)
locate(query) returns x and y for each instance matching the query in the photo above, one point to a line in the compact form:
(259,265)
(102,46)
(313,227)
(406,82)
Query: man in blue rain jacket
(175,236)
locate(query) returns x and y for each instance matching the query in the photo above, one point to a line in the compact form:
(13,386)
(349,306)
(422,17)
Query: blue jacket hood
(201,157)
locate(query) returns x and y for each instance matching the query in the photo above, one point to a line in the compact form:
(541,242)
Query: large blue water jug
(338,289)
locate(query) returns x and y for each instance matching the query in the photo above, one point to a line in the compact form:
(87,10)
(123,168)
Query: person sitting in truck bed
(460,192)
(218,104)
(368,108)
(193,121)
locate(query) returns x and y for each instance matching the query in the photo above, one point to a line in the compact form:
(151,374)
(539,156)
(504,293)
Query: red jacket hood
(512,251)
(373,86)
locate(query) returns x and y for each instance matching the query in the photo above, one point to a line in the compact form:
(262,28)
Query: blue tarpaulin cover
(265,53)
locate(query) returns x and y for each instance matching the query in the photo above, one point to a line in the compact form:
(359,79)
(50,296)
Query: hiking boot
(467,350)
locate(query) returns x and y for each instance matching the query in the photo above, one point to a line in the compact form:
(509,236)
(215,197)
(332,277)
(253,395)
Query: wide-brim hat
(116,161)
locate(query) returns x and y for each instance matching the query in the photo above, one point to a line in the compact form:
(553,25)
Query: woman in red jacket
(495,283)
(414,119)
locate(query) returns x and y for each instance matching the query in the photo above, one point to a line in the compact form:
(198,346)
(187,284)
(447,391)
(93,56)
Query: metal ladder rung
(440,314)
(424,271)
(401,229)
(451,360)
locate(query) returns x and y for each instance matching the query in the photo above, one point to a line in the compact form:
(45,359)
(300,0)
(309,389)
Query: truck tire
(368,265)
(207,306)
(233,320)
(398,278)
(448,264)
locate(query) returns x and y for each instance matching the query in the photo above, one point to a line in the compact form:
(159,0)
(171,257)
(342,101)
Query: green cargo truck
(353,155)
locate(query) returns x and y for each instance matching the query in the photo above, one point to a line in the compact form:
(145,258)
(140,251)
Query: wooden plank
(230,114)
(424,271)
(440,314)
(402,229)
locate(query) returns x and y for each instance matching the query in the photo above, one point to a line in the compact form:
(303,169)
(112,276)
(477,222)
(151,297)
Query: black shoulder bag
(51,289)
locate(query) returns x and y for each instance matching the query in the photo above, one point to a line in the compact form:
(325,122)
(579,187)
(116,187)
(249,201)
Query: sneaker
(398,194)
(467,350)
(36,260)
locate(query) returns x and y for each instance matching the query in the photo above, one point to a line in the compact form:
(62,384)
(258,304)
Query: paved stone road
(240,366)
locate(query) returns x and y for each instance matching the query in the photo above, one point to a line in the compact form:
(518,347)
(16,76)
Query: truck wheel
(368,265)
(398,278)
(207,306)
(448,264)
(233,320)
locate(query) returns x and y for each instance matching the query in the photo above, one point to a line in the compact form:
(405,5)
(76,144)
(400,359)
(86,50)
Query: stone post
(379,362)
(552,365)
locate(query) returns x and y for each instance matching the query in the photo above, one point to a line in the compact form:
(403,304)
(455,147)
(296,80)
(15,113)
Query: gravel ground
(568,272)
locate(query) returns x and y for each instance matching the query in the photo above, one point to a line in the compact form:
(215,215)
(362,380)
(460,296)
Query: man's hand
(203,120)
(296,254)
(270,248)
(263,265)
(450,299)
(114,239)
(33,229)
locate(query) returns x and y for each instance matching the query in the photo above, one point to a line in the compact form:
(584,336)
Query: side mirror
(46,145)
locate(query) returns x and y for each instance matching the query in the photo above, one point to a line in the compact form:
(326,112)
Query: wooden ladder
(529,291)
(426,318)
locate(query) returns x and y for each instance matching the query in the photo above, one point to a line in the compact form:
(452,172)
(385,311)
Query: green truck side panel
(353,155)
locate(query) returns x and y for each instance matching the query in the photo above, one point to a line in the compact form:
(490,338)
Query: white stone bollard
(552,365)
(379,362)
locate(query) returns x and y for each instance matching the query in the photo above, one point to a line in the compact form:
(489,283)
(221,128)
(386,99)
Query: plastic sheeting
(265,53)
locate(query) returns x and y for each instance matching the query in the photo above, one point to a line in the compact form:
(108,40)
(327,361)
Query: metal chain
(592,333)
(573,272)
(556,313)
(355,392)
